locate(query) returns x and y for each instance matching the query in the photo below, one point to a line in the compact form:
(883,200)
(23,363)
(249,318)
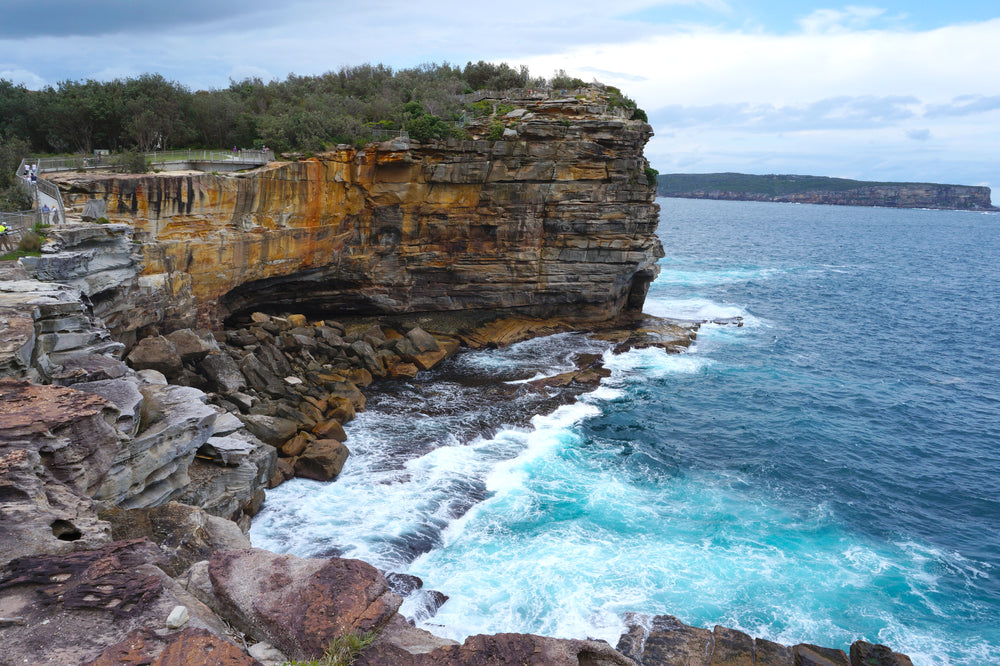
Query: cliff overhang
(557,219)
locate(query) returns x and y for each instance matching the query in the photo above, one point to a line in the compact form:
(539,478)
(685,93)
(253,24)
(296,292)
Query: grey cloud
(62,18)
(832,113)
(964,106)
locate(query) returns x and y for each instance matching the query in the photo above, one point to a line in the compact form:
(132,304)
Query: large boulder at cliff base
(322,460)
(300,605)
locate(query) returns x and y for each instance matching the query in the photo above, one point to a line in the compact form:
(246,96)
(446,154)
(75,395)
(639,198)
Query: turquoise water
(827,472)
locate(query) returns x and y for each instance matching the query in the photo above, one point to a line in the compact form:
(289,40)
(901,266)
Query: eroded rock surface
(300,605)
(557,217)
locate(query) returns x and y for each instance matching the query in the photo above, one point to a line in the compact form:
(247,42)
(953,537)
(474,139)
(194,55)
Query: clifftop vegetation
(301,113)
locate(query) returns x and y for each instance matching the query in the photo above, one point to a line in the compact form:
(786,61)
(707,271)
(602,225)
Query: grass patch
(17,254)
(342,651)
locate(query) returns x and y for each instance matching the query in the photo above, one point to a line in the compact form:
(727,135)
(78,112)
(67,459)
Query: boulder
(192,346)
(296,445)
(866,654)
(156,353)
(222,373)
(321,460)
(340,408)
(422,340)
(300,605)
(271,430)
(330,429)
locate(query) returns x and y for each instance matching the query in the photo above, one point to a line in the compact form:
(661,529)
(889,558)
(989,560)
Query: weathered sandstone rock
(185,534)
(39,514)
(559,218)
(300,605)
(189,647)
(72,606)
(74,432)
(505,649)
(153,468)
(321,460)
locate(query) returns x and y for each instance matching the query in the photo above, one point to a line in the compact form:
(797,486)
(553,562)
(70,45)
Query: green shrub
(342,651)
(131,161)
(496,132)
(651,175)
(30,242)
(103,220)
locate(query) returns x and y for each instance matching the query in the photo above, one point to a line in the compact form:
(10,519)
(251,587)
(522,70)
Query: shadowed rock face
(556,220)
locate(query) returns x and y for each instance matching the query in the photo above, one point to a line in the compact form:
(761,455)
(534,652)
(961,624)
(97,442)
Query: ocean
(827,472)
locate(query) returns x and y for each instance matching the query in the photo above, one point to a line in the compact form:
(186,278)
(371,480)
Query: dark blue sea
(829,471)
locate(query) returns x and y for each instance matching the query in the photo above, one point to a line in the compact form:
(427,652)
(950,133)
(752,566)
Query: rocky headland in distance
(823,190)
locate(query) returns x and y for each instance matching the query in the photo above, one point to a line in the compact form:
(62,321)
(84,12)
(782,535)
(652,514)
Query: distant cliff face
(904,195)
(557,218)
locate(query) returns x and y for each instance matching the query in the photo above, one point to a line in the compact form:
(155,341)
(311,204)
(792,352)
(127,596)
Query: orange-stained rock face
(559,220)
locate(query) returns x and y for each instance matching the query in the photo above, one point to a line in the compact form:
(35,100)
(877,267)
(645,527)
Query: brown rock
(360,377)
(427,360)
(731,648)
(340,408)
(284,470)
(330,429)
(322,460)
(866,654)
(296,445)
(400,370)
(190,647)
(296,320)
(300,605)
(501,649)
(769,653)
(814,655)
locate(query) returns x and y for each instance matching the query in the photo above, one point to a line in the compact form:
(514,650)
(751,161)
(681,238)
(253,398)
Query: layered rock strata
(557,218)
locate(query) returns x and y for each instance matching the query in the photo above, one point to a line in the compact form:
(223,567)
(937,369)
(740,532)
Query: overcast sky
(893,90)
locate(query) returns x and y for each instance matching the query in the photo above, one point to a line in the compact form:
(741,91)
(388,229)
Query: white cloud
(849,19)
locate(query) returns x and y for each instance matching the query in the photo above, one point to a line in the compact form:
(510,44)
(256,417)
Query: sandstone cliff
(556,218)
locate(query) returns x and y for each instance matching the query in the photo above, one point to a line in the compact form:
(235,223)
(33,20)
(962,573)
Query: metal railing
(90,162)
(389,135)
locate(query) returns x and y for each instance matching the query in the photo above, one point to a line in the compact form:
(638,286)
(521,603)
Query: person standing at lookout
(45,214)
